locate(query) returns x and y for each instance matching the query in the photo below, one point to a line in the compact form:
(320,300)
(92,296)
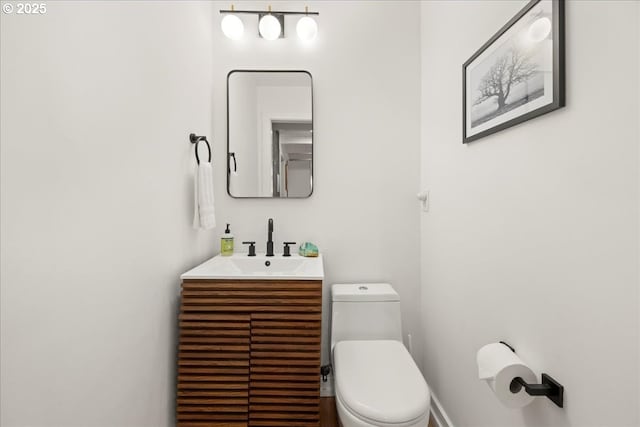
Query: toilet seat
(379,383)
(349,419)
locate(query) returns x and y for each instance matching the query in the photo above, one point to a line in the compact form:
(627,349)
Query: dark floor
(329,416)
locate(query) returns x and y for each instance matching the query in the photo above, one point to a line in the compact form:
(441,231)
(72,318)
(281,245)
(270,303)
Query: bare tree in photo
(509,69)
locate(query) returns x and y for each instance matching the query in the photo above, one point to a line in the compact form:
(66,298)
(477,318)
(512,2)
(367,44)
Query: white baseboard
(441,417)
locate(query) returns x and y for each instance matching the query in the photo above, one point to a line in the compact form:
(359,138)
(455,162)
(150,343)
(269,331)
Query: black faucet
(270,240)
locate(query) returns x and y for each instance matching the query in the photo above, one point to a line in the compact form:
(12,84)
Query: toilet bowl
(377,383)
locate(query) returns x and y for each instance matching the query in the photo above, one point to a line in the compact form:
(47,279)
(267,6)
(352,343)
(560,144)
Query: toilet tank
(365,311)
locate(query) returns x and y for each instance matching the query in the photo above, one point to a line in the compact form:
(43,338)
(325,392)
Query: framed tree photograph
(518,74)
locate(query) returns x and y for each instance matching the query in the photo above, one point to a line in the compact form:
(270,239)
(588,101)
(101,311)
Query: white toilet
(377,383)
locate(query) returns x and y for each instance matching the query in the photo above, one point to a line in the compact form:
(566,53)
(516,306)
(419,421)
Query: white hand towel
(204,215)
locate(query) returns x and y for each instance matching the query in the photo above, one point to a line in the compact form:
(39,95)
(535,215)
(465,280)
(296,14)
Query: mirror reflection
(269,134)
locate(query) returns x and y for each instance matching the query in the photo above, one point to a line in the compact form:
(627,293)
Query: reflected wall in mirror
(269,134)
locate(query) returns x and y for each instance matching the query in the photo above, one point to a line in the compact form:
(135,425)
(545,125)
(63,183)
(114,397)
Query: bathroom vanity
(249,342)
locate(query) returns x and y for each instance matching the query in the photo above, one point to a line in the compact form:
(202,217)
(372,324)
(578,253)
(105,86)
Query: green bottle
(226,243)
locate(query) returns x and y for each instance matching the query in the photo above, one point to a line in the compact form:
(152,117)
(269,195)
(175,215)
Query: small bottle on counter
(226,243)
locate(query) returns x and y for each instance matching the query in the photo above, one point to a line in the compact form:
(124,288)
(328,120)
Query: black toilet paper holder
(550,388)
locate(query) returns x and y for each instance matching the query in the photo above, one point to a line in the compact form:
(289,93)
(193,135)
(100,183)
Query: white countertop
(240,266)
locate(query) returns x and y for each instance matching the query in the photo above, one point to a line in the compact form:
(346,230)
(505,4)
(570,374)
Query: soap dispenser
(226,243)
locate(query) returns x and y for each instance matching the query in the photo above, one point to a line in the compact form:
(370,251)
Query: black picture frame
(527,108)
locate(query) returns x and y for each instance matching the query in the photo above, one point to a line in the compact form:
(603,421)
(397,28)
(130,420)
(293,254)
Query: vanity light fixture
(307,28)
(269,26)
(232,26)
(270,23)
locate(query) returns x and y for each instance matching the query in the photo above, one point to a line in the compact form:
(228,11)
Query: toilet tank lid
(364,292)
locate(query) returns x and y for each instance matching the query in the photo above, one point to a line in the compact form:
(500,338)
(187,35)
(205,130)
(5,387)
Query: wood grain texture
(328,412)
(210,424)
(249,353)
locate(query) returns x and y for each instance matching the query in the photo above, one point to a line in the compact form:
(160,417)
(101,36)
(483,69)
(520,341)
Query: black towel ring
(195,140)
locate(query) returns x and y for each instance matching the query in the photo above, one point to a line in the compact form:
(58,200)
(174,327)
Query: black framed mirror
(269,134)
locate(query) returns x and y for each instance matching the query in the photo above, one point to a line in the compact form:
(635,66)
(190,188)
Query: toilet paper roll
(498,366)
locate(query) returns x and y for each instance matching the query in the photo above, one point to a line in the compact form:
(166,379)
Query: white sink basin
(241,266)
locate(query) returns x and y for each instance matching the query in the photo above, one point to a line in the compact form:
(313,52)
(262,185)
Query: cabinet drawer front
(306,308)
(249,296)
(258,286)
(252,299)
(305,293)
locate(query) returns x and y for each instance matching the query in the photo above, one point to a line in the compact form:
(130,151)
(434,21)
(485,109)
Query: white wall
(532,234)
(363,214)
(98,99)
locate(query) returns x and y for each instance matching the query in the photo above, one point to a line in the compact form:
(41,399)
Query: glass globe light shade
(269,27)
(232,27)
(540,29)
(307,28)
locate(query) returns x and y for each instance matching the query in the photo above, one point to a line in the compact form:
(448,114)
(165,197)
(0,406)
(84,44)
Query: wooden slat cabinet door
(284,385)
(213,360)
